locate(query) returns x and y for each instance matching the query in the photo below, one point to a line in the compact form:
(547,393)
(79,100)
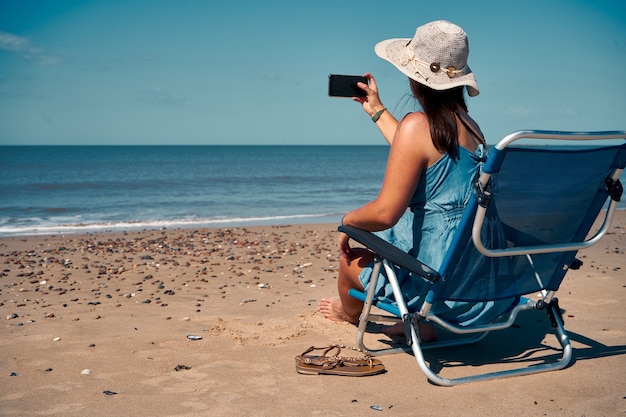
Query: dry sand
(110,312)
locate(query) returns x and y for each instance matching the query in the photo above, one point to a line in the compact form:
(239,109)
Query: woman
(434,158)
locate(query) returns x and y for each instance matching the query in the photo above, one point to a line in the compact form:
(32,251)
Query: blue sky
(255,72)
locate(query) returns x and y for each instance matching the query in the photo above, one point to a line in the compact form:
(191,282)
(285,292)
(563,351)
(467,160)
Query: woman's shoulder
(416,117)
(413,136)
(414,127)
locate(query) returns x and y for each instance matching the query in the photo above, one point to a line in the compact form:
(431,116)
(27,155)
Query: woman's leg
(345,307)
(348,309)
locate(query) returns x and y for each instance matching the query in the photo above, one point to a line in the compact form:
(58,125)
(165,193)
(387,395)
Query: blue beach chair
(543,201)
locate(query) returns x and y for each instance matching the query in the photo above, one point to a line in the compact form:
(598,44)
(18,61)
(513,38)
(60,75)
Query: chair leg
(565,359)
(366,315)
(474,335)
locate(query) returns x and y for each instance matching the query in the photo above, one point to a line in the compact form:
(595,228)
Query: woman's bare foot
(332,309)
(427,331)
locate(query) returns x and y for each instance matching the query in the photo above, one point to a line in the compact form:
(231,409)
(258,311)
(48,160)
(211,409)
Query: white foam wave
(41,228)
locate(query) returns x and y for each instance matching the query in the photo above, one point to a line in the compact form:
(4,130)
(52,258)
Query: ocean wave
(10,227)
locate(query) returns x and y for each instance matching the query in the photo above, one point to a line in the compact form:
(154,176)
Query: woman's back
(439,202)
(444,191)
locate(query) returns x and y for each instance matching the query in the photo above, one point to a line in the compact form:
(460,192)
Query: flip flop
(335,364)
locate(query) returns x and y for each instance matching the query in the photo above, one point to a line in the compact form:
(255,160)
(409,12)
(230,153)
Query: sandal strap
(326,349)
(332,361)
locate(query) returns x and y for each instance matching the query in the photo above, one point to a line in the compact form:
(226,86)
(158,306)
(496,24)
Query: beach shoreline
(99,324)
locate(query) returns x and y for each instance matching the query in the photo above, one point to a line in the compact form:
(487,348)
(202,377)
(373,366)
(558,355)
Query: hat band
(435,67)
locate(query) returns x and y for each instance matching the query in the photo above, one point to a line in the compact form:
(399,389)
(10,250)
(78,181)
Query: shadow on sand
(529,342)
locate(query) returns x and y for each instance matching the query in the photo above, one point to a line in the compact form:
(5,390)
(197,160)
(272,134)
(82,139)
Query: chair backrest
(539,195)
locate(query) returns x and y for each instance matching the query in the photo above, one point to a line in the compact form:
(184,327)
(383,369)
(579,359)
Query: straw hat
(435,57)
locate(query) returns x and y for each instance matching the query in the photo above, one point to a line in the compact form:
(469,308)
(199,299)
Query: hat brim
(395,52)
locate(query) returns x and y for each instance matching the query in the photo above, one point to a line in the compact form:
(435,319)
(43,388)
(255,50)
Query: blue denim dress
(427,230)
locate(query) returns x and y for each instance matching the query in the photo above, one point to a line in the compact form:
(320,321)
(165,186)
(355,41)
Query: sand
(98,325)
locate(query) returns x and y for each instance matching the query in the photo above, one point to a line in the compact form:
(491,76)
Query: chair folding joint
(615,189)
(553,310)
(576,264)
(483,194)
(411,320)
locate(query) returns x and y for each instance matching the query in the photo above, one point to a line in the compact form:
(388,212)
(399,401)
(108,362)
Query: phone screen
(345,85)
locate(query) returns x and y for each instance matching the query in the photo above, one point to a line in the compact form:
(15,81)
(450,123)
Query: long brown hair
(440,108)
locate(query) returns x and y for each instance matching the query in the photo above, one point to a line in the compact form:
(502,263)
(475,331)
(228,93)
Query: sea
(77,189)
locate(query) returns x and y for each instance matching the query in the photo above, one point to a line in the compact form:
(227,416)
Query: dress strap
(471,125)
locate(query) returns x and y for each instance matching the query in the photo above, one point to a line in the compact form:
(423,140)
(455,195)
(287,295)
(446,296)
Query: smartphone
(345,85)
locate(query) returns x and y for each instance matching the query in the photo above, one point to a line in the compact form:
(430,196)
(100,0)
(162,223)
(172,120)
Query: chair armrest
(387,251)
